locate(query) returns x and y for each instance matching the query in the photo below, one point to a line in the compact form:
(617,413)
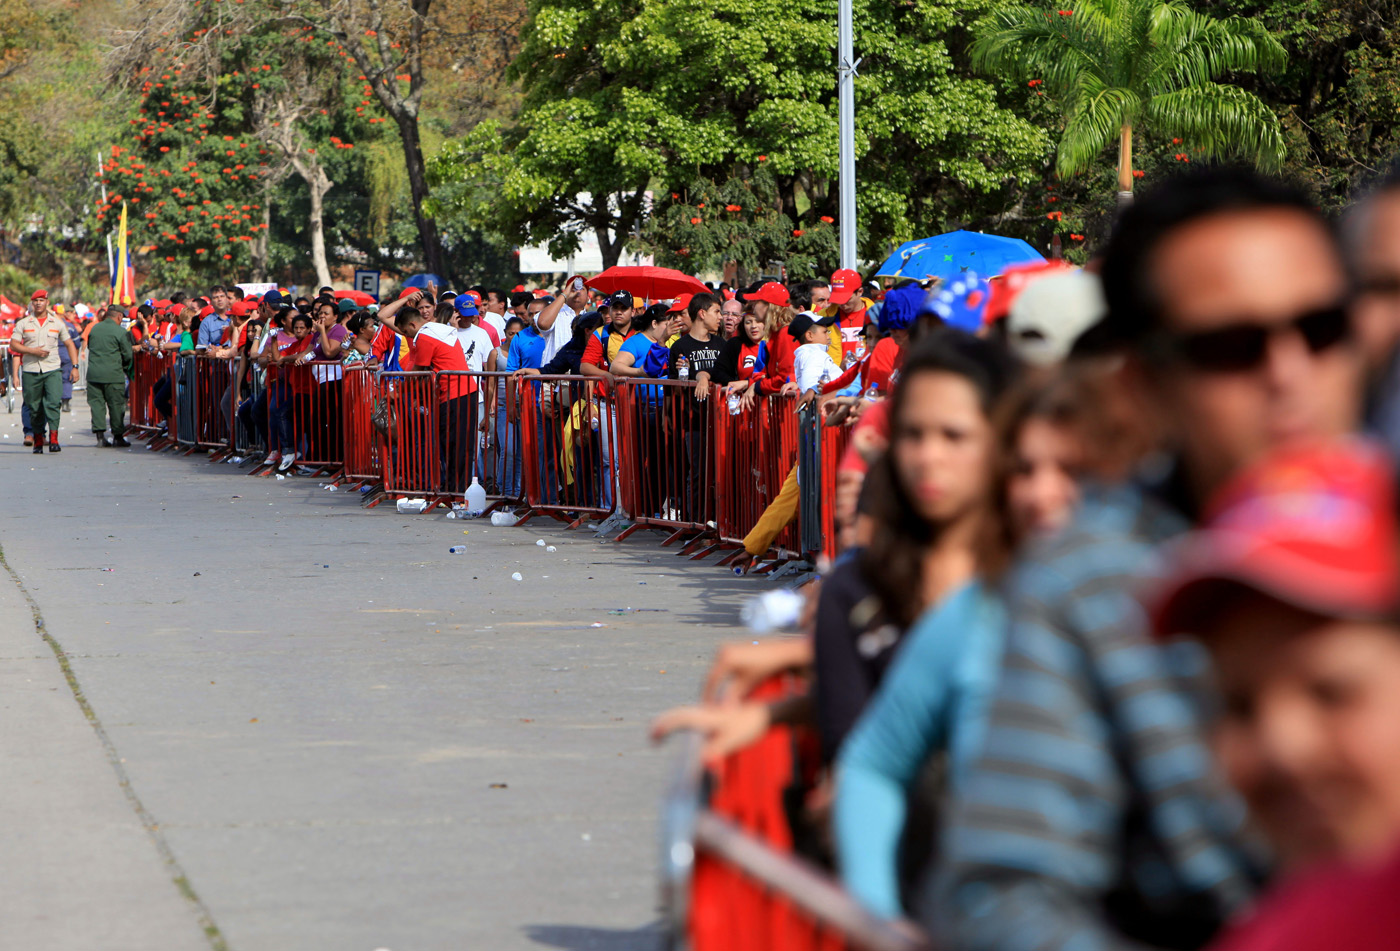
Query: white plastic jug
(476,498)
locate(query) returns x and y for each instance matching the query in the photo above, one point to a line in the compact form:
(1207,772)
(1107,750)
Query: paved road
(280,721)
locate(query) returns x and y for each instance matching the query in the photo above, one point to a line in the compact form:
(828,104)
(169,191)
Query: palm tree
(1117,65)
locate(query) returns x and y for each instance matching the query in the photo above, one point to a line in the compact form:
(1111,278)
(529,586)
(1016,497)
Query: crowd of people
(1111,655)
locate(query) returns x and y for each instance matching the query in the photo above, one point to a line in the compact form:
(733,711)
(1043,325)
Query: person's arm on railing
(387,312)
(622,366)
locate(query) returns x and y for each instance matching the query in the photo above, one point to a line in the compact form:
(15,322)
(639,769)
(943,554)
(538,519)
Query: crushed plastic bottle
(457,549)
(772,610)
(517,577)
(412,506)
(503,519)
(551,549)
(539,542)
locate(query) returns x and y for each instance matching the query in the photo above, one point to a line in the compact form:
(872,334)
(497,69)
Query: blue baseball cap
(274,298)
(466,305)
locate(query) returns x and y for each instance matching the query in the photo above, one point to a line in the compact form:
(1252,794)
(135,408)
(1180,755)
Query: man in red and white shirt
(434,347)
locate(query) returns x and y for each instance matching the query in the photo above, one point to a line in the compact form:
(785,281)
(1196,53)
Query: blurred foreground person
(1094,817)
(1292,588)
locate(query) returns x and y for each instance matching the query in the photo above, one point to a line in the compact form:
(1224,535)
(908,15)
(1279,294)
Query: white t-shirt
(812,366)
(497,322)
(556,337)
(476,344)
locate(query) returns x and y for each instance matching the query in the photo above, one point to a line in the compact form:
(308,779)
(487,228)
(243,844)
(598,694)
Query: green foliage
(1157,64)
(1339,97)
(622,95)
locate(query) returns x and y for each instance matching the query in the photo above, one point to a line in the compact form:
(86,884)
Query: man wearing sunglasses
(1093,817)
(1372,235)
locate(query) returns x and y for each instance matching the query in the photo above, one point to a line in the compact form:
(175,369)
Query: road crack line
(167,854)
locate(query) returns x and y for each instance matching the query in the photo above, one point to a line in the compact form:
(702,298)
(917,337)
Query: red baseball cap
(772,293)
(1313,527)
(844,284)
(407,291)
(1009,285)
(680,303)
(40,293)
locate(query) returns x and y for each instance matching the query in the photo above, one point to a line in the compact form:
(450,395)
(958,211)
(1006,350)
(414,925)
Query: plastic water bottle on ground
(503,519)
(412,506)
(476,498)
(772,610)
(457,549)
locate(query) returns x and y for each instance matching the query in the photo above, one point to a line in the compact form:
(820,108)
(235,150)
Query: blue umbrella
(423,280)
(945,256)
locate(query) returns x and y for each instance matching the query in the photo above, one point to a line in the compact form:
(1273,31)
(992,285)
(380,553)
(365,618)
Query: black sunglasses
(1242,347)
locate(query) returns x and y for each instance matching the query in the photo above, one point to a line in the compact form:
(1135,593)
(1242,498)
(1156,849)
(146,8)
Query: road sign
(367,282)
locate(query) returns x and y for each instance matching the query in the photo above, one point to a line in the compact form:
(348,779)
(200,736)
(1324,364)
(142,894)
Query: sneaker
(272,458)
(102,440)
(28,439)
(38,448)
(120,442)
(68,406)
(53,447)
(287,462)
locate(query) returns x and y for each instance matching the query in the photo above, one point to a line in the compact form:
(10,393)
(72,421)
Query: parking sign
(367,282)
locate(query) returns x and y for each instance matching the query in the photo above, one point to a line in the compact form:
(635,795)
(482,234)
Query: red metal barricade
(147,369)
(733,881)
(317,389)
(666,456)
(413,465)
(566,443)
(363,443)
(213,427)
(498,445)
(834,442)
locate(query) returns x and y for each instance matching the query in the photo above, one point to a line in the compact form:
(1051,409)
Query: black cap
(621,299)
(805,321)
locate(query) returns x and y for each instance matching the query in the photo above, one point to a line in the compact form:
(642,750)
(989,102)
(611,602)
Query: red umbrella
(360,298)
(656,283)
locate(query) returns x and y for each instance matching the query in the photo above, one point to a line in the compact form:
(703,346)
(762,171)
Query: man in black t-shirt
(693,357)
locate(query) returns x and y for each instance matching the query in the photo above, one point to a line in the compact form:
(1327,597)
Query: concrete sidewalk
(348,738)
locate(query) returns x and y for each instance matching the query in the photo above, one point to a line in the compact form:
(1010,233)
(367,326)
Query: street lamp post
(846,107)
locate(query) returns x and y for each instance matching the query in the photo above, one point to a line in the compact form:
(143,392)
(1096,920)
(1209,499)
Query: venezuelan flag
(123,274)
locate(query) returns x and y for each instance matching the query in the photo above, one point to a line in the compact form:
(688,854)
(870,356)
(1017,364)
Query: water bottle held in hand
(682,368)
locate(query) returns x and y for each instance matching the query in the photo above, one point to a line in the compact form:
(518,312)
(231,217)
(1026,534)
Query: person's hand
(846,410)
(42,353)
(746,401)
(790,389)
(702,386)
(725,729)
(526,371)
(869,444)
(741,666)
(738,386)
(73,375)
(483,426)
(807,399)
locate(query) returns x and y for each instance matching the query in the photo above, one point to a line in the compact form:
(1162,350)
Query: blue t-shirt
(650,358)
(526,349)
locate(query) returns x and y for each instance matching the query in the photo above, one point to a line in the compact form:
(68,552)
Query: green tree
(1338,99)
(1116,66)
(623,96)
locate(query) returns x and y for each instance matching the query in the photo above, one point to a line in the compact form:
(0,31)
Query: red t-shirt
(1335,909)
(852,329)
(781,348)
(393,351)
(877,417)
(435,348)
(300,378)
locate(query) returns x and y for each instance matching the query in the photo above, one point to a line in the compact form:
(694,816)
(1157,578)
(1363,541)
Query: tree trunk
(260,246)
(1125,166)
(418,186)
(319,185)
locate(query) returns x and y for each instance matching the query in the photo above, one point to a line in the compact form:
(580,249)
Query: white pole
(111,266)
(846,87)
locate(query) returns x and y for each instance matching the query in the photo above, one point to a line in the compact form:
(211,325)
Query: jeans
(281,435)
(507,441)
